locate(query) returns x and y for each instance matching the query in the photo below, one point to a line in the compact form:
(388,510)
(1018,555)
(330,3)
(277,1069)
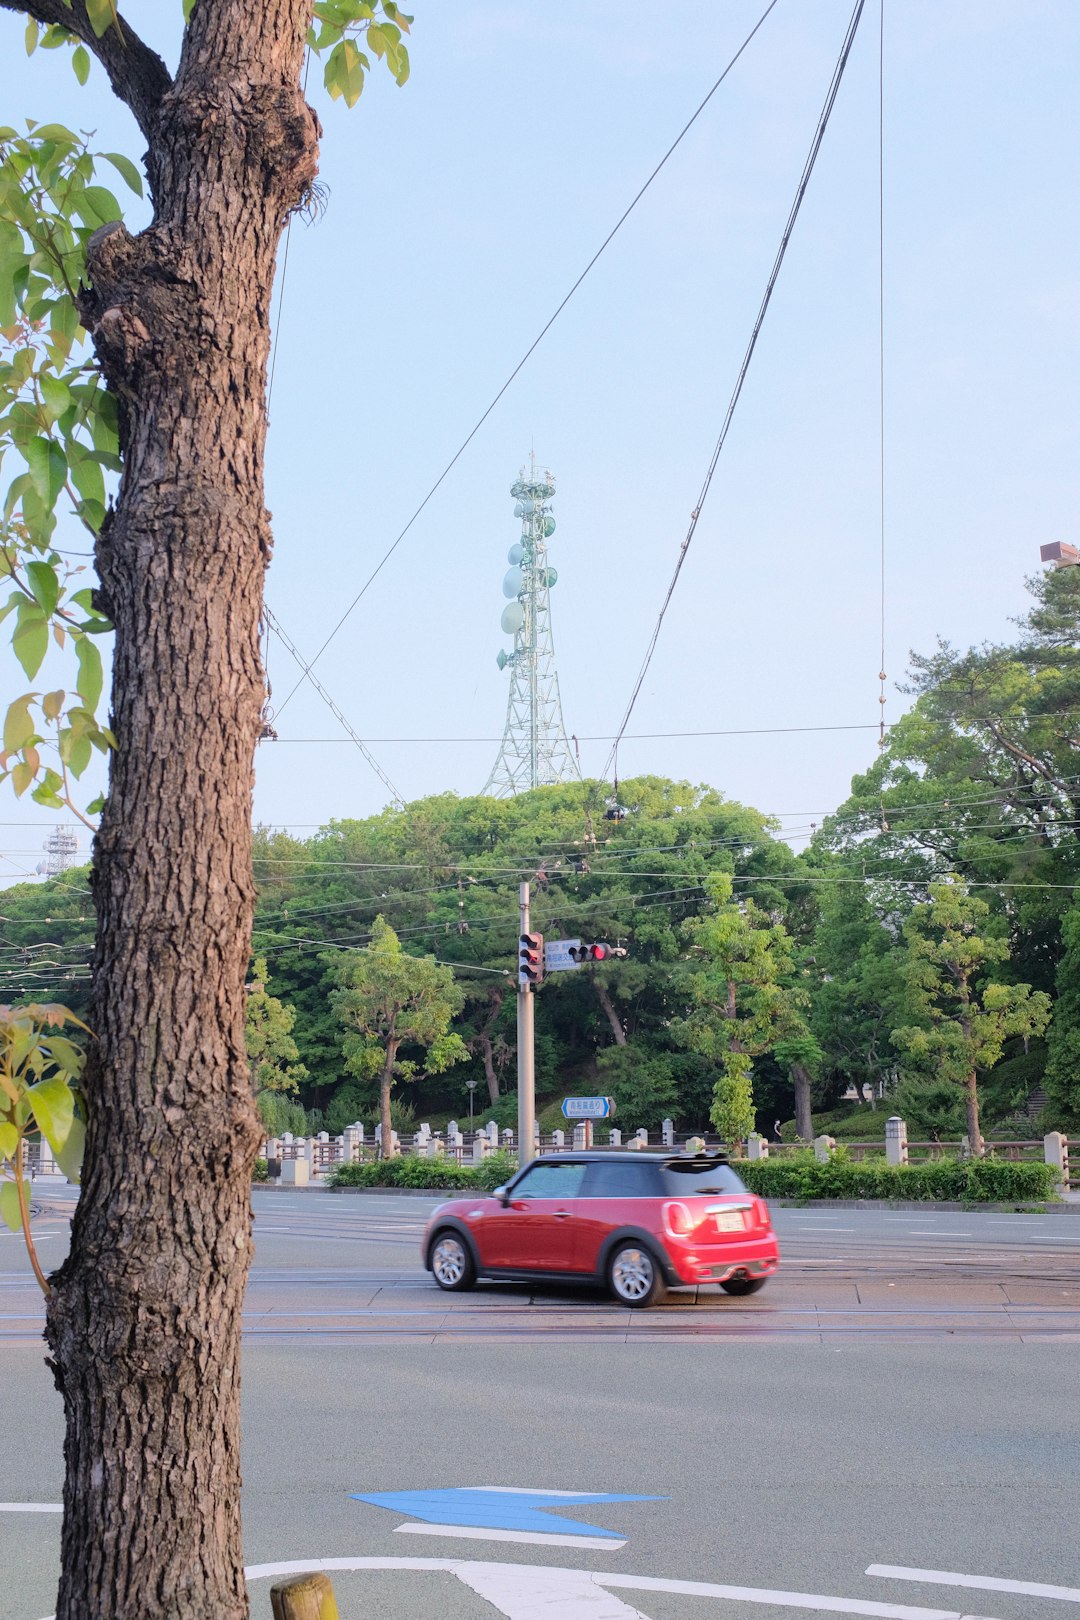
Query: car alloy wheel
(451,1263)
(633,1276)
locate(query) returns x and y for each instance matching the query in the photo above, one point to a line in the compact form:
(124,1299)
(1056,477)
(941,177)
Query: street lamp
(472,1087)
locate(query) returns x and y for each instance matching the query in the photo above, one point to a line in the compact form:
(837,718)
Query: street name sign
(557,958)
(588,1107)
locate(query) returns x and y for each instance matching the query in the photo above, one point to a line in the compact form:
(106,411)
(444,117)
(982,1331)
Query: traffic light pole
(526,1056)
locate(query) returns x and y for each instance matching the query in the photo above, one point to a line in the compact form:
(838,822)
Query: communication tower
(534,751)
(61,847)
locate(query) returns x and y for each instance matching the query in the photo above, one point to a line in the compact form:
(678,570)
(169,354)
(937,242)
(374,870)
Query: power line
(545,329)
(808,169)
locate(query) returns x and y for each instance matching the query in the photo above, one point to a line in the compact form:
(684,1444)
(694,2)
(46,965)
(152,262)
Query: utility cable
(881,355)
(544,330)
(808,169)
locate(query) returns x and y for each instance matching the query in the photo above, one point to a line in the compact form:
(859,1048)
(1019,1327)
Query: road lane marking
(535,1538)
(521,1578)
(984,1583)
(31,1507)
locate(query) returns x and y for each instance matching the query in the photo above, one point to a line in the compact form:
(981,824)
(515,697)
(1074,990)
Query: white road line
(921,1231)
(31,1507)
(520,1581)
(568,1593)
(818,1227)
(532,1538)
(984,1583)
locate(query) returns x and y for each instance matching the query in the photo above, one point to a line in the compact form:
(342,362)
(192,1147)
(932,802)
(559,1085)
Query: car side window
(618,1179)
(550,1181)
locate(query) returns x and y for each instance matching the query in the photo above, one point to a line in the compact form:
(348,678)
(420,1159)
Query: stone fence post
(896,1151)
(1056,1152)
(667,1133)
(757,1146)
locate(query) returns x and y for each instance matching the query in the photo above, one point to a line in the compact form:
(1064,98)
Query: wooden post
(304,1597)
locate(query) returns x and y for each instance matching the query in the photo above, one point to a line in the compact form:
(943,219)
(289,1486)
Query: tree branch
(137,74)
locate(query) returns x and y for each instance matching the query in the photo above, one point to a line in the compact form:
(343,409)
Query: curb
(1034,1207)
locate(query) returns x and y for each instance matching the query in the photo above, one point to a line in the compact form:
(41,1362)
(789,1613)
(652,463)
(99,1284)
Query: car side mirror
(501,1194)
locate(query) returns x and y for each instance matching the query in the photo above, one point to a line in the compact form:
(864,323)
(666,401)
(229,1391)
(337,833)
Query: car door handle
(563,1214)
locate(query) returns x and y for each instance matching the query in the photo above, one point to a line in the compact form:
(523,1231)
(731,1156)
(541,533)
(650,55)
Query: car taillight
(762,1212)
(678,1221)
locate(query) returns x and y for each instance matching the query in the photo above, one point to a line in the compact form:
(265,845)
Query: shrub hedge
(436,1175)
(965,1181)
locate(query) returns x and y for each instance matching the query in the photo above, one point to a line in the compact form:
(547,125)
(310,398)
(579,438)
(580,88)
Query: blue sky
(459,211)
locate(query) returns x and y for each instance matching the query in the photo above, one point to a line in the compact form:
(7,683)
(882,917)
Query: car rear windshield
(694,1177)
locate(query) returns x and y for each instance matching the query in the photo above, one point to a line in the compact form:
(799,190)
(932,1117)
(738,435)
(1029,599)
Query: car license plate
(728,1220)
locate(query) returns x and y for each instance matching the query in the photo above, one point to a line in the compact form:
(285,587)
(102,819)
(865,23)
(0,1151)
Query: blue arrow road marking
(498,1510)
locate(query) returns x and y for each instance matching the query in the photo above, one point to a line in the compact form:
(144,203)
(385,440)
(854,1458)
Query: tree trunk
(804,1121)
(386,1082)
(971,1104)
(489,1067)
(608,1005)
(144,1316)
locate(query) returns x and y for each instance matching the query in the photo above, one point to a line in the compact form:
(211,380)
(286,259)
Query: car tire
(452,1264)
(634,1276)
(743,1285)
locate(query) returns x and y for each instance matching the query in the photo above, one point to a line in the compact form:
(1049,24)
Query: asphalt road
(901,1397)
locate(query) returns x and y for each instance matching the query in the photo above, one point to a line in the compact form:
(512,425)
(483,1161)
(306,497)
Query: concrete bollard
(294,1172)
(896,1151)
(481,1148)
(351,1138)
(823,1148)
(304,1597)
(615,1137)
(667,1133)
(757,1146)
(1056,1152)
(581,1136)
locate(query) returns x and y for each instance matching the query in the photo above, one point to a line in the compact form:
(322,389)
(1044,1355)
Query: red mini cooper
(637,1222)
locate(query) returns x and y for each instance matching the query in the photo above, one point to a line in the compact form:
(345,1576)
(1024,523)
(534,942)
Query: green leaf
(9,1140)
(31,640)
(48,792)
(79,755)
(18,725)
(124,166)
(96,805)
(86,475)
(54,1109)
(55,393)
(96,205)
(90,672)
(22,775)
(44,584)
(80,61)
(9,1203)
(70,1156)
(102,14)
(48,468)
(31,37)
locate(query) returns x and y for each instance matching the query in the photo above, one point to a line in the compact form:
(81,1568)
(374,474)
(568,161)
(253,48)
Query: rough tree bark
(804,1119)
(386,1081)
(144,1316)
(604,998)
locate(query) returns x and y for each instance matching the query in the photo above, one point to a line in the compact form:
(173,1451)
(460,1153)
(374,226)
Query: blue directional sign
(588,1107)
(497,1509)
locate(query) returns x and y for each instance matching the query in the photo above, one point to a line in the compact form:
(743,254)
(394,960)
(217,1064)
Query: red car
(637,1222)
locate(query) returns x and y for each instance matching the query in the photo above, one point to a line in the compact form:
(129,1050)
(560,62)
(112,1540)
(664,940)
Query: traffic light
(595,953)
(530,961)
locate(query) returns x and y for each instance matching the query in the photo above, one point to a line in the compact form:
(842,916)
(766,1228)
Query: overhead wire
(808,169)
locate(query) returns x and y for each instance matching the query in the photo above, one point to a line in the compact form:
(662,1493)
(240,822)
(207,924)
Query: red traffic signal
(530,960)
(594,953)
